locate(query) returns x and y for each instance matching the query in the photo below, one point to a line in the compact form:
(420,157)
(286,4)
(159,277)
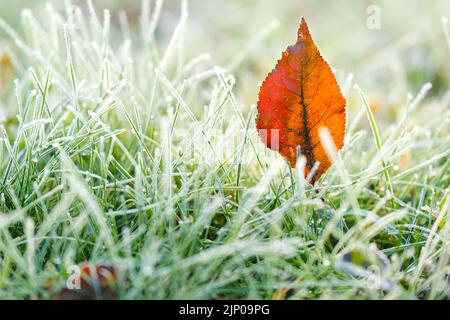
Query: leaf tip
(303,29)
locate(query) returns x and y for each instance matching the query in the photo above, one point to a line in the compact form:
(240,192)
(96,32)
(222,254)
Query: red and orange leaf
(296,99)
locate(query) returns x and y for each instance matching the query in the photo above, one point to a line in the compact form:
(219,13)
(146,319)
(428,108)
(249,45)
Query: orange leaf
(297,98)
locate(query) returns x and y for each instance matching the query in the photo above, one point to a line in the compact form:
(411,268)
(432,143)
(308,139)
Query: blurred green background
(247,37)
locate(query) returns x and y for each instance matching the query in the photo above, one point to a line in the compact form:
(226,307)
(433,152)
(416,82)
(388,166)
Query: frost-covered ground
(127,136)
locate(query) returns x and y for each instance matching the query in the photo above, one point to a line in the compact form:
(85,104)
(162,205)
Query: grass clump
(113,149)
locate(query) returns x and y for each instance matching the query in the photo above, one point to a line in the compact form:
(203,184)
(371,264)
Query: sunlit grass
(123,150)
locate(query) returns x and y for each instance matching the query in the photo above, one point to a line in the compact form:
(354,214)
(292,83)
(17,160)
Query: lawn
(127,139)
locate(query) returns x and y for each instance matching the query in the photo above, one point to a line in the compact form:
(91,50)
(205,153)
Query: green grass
(116,148)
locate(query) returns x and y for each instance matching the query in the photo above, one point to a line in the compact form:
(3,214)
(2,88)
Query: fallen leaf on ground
(296,99)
